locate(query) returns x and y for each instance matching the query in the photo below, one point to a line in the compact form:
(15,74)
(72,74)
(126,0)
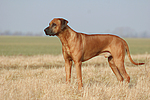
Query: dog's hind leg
(118,55)
(115,69)
(119,62)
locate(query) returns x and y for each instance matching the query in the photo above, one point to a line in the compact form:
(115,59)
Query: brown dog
(79,47)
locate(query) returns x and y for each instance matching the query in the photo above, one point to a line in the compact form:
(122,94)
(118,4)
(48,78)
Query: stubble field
(32,68)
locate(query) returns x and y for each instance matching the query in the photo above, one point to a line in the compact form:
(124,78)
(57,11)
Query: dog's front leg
(68,64)
(79,74)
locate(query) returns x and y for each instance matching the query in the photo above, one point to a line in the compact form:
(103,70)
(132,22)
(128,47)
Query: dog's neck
(65,35)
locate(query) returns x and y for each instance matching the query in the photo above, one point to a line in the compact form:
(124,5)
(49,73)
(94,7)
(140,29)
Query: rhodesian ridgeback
(79,47)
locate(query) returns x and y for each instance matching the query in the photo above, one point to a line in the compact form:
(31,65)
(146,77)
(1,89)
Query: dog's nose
(45,30)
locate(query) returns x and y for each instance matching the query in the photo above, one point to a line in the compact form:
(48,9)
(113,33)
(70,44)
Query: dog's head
(56,26)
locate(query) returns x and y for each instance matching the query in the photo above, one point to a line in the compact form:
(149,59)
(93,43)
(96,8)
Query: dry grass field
(42,77)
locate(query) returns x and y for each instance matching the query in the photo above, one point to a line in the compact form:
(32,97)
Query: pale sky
(83,15)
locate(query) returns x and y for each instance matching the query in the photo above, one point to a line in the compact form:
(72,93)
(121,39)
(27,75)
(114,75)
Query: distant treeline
(128,32)
(22,34)
(121,31)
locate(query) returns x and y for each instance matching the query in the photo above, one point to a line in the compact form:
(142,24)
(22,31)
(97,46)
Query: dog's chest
(66,48)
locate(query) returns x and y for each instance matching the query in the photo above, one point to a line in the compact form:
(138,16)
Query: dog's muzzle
(49,32)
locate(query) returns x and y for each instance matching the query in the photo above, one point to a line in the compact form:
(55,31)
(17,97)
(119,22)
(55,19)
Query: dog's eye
(53,25)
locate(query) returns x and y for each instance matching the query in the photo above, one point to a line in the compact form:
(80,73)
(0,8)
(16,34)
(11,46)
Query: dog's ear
(63,23)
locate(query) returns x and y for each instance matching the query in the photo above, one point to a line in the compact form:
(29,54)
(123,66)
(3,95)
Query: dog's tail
(128,53)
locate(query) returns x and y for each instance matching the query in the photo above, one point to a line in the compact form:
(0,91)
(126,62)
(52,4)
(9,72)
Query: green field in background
(138,45)
(19,45)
